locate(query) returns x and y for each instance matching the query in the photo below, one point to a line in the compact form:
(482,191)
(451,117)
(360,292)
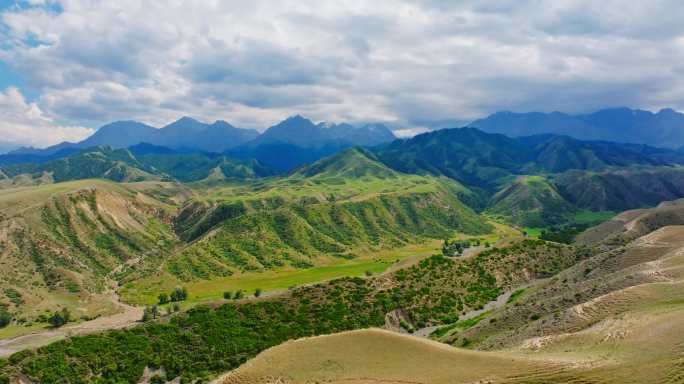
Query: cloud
(23,123)
(410,132)
(402,61)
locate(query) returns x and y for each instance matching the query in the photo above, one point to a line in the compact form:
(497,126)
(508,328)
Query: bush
(238,294)
(59,318)
(227,295)
(179,294)
(257,292)
(163,298)
(5,317)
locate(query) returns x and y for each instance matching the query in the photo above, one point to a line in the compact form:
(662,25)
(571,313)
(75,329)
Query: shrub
(59,318)
(227,295)
(257,292)
(179,294)
(5,317)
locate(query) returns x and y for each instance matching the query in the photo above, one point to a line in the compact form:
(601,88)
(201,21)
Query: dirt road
(128,316)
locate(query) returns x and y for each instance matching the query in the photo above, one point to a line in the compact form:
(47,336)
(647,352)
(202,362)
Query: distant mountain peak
(616,124)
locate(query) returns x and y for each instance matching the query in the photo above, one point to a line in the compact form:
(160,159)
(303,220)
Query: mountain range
(290,143)
(662,129)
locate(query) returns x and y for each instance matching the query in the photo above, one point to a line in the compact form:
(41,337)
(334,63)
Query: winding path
(128,316)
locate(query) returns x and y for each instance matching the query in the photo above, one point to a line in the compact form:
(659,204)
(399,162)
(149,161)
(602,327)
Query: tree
(150,313)
(238,294)
(163,298)
(179,294)
(176,307)
(257,292)
(5,317)
(227,295)
(59,318)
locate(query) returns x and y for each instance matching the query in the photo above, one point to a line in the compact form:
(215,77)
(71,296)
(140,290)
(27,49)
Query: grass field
(145,292)
(582,217)
(589,217)
(14,330)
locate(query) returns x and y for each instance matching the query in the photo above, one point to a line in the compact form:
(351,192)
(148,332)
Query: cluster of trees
(153,312)
(239,294)
(564,234)
(204,341)
(456,247)
(178,294)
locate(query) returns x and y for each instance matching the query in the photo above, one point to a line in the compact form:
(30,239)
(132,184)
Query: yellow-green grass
(580,217)
(375,356)
(14,330)
(585,216)
(146,291)
(294,188)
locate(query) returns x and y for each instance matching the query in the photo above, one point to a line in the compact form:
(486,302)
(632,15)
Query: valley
(467,253)
(341,192)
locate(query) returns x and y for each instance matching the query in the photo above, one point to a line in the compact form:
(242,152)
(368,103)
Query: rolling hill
(137,163)
(338,208)
(68,244)
(530,201)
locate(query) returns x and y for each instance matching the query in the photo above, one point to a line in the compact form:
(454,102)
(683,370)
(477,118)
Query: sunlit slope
(374,356)
(341,207)
(66,244)
(616,317)
(530,201)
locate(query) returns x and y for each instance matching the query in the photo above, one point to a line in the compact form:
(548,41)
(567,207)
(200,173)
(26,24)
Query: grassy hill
(530,201)
(206,341)
(65,245)
(77,240)
(117,165)
(143,162)
(341,208)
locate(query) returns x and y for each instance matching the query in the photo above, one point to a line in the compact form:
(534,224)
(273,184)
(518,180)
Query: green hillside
(106,163)
(206,341)
(530,201)
(341,208)
(140,163)
(65,245)
(197,166)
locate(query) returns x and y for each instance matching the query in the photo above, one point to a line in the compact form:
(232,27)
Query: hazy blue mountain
(297,141)
(366,135)
(190,133)
(662,129)
(19,158)
(7,147)
(183,133)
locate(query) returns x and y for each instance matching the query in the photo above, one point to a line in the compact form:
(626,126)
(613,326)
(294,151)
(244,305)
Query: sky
(70,66)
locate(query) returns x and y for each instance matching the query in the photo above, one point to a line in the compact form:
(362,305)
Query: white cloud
(23,123)
(253,63)
(410,132)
